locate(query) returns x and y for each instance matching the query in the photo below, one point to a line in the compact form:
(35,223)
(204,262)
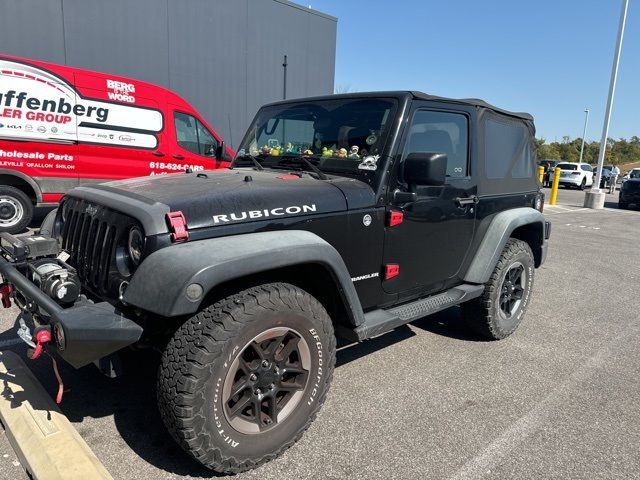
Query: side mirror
(220,151)
(425,168)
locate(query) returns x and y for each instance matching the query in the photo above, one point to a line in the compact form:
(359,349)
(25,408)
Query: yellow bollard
(554,188)
(541,174)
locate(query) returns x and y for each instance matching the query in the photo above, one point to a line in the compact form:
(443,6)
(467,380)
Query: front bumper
(83,333)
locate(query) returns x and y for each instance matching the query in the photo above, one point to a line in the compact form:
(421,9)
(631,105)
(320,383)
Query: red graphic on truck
(62,126)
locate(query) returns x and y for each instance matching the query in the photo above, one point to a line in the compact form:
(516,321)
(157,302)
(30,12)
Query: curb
(44,440)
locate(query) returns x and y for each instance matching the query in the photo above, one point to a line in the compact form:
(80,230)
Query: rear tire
(224,367)
(583,184)
(16,210)
(500,309)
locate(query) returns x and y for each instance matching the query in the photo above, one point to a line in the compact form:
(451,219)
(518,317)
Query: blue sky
(549,58)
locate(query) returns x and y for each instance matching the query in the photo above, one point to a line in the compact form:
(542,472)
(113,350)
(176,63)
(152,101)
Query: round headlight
(135,246)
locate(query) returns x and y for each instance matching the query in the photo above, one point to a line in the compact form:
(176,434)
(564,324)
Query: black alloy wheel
(266,380)
(512,290)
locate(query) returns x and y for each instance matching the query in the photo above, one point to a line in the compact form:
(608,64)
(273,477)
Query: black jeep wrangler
(341,216)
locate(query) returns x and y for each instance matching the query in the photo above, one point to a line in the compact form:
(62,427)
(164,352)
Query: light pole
(584,132)
(595,198)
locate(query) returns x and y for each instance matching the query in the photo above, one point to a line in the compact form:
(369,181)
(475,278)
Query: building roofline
(307,9)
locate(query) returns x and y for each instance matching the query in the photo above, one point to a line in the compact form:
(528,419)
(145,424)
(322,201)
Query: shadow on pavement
(131,398)
(615,205)
(448,323)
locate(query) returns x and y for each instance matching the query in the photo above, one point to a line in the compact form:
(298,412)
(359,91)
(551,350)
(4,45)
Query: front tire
(243,379)
(16,210)
(500,309)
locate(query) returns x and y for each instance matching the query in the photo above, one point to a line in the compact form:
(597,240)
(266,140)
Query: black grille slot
(89,235)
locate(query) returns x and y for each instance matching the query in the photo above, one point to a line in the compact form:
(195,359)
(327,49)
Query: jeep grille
(90,234)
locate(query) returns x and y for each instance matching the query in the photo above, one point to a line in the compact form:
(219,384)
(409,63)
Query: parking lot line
(564,210)
(481,465)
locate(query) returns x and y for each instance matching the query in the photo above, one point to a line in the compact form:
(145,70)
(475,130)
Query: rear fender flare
(502,227)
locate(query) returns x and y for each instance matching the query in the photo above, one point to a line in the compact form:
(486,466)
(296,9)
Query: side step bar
(381,321)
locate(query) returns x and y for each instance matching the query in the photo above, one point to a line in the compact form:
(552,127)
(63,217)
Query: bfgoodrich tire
(16,210)
(242,380)
(500,309)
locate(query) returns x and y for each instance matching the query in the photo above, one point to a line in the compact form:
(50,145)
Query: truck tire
(499,310)
(242,380)
(16,210)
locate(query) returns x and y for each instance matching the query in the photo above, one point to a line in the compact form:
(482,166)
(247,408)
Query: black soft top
(475,102)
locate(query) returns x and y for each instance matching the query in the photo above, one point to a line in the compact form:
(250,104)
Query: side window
(192,135)
(507,150)
(441,132)
(207,144)
(186,131)
(587,168)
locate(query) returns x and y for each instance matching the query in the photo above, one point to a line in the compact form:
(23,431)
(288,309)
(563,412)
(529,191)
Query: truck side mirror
(425,168)
(220,151)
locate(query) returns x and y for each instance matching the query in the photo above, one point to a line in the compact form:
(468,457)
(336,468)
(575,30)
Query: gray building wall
(223,56)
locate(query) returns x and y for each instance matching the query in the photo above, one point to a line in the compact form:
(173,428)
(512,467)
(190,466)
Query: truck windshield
(341,136)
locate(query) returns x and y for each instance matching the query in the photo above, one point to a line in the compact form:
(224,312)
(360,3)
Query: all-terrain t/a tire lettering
(243,379)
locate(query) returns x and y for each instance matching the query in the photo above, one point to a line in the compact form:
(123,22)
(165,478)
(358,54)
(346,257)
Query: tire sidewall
(242,446)
(27,209)
(503,325)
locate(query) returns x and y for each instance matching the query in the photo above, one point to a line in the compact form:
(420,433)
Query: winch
(60,283)
(44,264)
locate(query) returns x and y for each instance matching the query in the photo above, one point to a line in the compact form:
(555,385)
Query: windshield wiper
(255,161)
(305,160)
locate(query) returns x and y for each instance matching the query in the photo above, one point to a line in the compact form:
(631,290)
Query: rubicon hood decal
(225,197)
(273,212)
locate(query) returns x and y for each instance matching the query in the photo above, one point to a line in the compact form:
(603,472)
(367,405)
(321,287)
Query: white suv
(573,174)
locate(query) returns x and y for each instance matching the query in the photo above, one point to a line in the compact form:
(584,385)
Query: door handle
(463,202)
(177,156)
(157,153)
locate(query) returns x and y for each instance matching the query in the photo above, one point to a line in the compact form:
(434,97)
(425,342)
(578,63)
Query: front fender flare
(500,230)
(159,284)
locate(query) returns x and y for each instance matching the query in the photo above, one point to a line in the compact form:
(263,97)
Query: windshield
(634,174)
(344,136)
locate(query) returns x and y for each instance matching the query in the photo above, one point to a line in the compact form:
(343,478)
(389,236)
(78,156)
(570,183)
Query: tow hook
(6,289)
(42,337)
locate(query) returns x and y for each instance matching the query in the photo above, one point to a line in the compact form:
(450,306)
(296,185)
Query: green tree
(621,151)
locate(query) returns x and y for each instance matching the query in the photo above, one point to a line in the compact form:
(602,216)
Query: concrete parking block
(46,443)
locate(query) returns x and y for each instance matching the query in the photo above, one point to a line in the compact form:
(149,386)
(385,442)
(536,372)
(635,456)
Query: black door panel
(431,243)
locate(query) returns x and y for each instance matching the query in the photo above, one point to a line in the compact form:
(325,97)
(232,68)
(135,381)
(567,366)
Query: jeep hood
(226,197)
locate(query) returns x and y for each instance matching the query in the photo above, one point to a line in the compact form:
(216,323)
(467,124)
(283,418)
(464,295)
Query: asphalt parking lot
(559,399)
